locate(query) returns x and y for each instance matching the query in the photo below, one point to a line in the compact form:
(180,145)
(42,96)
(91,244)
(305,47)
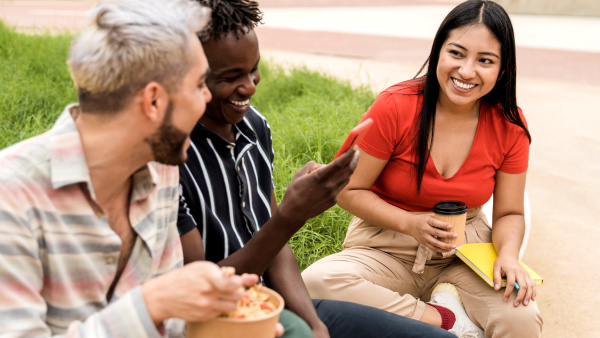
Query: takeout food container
(257,327)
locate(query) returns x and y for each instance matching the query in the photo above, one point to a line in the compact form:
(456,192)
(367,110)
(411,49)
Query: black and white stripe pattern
(226,187)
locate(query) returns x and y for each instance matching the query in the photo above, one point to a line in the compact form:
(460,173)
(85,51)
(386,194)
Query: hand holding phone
(356,135)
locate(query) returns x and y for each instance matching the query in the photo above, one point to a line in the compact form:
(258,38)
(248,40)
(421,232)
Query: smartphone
(356,135)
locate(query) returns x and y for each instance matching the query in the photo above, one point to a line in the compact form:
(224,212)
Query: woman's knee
(320,278)
(520,321)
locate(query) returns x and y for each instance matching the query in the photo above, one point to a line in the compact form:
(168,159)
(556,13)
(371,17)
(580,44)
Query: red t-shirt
(498,145)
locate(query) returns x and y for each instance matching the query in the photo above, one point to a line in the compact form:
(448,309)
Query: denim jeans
(351,320)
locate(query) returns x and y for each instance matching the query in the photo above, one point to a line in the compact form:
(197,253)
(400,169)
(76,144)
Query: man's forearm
(284,277)
(258,253)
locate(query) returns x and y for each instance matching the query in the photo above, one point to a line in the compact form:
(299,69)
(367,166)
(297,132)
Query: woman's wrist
(406,222)
(505,244)
(508,252)
(506,248)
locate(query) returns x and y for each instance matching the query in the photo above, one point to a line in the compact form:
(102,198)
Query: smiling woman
(468,67)
(455,133)
(467,70)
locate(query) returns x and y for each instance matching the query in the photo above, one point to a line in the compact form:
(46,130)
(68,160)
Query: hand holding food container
(455,213)
(256,316)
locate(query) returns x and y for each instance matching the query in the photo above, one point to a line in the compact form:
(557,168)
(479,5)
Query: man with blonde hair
(88,238)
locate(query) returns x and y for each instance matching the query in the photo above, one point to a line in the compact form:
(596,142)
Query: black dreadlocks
(239,16)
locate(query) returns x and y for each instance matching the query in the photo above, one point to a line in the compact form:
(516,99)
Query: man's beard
(167,142)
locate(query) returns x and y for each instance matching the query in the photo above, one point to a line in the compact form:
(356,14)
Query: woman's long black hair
(504,93)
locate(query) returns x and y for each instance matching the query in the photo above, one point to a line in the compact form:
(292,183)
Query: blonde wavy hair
(129,43)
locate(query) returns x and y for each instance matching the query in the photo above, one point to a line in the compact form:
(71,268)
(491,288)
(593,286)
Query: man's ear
(155,100)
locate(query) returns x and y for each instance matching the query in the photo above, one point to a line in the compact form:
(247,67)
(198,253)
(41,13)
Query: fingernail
(496,286)
(525,302)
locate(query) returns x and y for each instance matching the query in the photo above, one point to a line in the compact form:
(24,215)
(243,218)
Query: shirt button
(243,204)
(110,260)
(229,146)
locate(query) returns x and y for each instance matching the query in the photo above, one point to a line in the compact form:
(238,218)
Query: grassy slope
(310,115)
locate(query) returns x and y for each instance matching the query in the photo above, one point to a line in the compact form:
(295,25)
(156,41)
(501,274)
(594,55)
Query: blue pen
(517,286)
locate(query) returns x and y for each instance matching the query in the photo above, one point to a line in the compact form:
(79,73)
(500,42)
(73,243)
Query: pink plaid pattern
(58,258)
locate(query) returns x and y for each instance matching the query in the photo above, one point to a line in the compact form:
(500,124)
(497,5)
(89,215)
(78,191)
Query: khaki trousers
(392,271)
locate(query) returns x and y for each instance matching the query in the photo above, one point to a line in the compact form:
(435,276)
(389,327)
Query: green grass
(34,83)
(310,115)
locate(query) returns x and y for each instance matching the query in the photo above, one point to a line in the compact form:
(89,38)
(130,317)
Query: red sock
(448,318)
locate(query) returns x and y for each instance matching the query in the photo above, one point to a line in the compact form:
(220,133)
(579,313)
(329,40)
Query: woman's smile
(462,86)
(468,66)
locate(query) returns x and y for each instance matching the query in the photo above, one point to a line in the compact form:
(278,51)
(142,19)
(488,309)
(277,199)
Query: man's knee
(294,326)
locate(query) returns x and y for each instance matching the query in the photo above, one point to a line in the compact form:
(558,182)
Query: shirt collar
(244,134)
(68,165)
(144,181)
(67,160)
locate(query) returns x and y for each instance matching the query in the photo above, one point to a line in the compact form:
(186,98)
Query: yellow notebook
(481,257)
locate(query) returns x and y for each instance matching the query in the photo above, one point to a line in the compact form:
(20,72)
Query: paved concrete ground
(558,90)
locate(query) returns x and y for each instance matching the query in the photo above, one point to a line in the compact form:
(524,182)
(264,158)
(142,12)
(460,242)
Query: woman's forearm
(368,206)
(509,208)
(507,234)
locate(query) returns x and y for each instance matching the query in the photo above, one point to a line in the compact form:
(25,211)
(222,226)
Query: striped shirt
(226,187)
(58,257)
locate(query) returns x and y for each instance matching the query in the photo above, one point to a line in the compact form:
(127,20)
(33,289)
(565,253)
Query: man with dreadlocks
(227,190)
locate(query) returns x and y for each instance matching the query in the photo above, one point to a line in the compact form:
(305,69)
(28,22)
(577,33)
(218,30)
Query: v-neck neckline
(482,112)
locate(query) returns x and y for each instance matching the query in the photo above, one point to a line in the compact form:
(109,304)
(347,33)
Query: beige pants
(392,271)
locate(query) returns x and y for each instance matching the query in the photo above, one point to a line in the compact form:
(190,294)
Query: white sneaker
(446,295)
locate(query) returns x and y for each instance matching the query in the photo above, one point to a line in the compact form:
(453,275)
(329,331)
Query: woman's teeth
(462,85)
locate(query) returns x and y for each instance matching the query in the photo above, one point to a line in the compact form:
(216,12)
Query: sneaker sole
(447,288)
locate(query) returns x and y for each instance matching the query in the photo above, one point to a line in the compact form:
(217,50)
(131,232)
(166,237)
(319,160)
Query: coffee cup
(455,213)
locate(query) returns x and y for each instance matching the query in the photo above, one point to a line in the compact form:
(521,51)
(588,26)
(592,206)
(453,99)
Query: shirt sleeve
(382,138)
(172,258)
(185,219)
(127,317)
(265,139)
(516,160)
(270,152)
(269,142)
(23,308)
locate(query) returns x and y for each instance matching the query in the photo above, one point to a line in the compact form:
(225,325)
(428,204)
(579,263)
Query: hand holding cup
(455,213)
